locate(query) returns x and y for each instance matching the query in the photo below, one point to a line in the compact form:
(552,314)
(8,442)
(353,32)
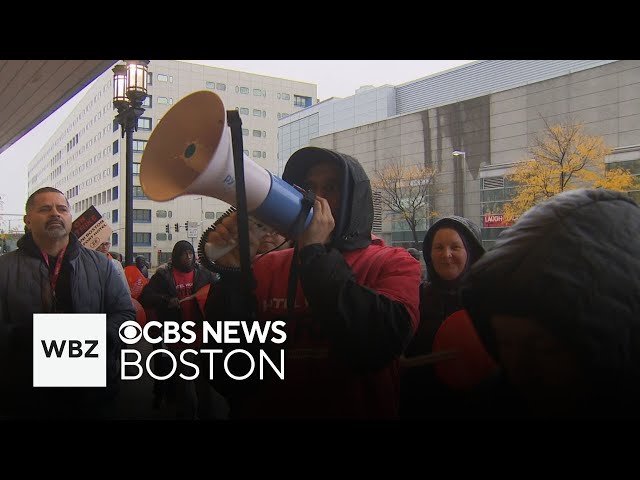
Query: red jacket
(342,362)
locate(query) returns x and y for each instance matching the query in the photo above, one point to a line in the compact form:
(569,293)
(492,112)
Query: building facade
(86,156)
(475,122)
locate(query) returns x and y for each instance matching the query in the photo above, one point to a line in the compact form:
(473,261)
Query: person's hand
(225,239)
(173,303)
(321,225)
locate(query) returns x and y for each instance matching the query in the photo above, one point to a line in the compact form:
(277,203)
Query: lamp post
(458,197)
(129,91)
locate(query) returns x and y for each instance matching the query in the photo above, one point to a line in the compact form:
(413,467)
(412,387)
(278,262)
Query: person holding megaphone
(350,303)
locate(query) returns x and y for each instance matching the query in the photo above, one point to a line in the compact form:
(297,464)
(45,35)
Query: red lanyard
(53,276)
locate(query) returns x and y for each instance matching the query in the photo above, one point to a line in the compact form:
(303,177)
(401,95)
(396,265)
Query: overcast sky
(334,78)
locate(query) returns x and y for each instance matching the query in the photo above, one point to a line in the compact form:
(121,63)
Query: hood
(178,249)
(353,228)
(571,263)
(468,231)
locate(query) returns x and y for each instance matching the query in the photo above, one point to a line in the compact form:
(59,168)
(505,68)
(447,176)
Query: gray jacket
(24,276)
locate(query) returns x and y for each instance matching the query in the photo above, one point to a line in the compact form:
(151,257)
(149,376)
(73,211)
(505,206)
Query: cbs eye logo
(130,332)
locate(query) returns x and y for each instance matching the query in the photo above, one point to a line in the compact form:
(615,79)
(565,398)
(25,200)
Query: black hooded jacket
(162,286)
(422,393)
(438,298)
(363,330)
(572,264)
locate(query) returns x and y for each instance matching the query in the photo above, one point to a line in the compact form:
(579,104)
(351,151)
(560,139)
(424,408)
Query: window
(210,85)
(138,146)
(244,111)
(164,78)
(496,191)
(285,96)
(148,103)
(246,152)
(115,193)
(109,195)
(161,213)
(149,78)
(165,100)
(245,131)
(140,238)
(141,215)
(114,217)
(300,101)
(257,154)
(139,193)
(114,170)
(161,237)
(115,125)
(136,169)
(144,123)
(115,147)
(257,133)
(114,237)
(242,90)
(258,92)
(257,113)
(221,86)
(210,215)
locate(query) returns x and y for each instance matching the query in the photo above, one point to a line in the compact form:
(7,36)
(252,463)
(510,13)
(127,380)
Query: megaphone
(190,152)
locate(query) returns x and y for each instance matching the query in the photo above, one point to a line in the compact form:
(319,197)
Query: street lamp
(129,91)
(458,194)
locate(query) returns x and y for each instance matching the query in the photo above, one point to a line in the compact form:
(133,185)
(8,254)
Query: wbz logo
(69,350)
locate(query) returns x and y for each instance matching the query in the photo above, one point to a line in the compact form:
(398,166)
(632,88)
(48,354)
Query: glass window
(114,170)
(210,85)
(144,123)
(138,146)
(141,215)
(244,90)
(221,86)
(244,111)
(210,215)
(162,77)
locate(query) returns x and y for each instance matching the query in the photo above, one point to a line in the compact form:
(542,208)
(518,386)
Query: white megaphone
(190,152)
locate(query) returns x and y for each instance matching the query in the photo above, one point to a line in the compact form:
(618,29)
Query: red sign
(491,220)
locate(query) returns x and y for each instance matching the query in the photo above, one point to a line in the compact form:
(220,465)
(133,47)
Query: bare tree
(405,190)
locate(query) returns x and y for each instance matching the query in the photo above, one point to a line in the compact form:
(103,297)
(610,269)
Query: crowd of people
(546,324)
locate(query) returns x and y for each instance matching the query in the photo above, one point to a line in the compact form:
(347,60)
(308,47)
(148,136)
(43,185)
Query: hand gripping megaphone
(190,152)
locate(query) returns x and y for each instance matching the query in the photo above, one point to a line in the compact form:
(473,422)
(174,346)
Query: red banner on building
(495,221)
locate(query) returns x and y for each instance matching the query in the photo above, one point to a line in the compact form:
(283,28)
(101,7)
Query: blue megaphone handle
(281,207)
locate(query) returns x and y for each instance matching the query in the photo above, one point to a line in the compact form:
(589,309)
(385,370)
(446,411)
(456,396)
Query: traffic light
(166,228)
(186,225)
(177,227)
